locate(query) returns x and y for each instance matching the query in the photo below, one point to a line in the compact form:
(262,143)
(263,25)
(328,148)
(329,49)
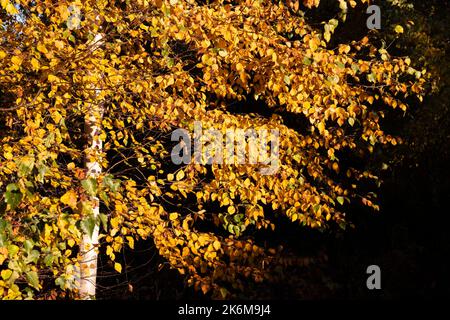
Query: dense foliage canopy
(158,66)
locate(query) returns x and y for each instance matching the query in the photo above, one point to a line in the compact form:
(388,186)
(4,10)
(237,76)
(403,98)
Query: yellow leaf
(321,127)
(59,44)
(170,177)
(173,216)
(130,241)
(306,105)
(35,64)
(41,48)
(115,222)
(231,209)
(16,60)
(398,29)
(344,49)
(2,54)
(216,245)
(118,267)
(52,78)
(8,155)
(71,242)
(11,9)
(6,274)
(70,198)
(180,175)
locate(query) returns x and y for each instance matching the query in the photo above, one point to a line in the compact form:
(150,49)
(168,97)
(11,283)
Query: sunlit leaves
(398,29)
(70,198)
(161,69)
(25,165)
(6,274)
(173,216)
(9,7)
(180,175)
(35,64)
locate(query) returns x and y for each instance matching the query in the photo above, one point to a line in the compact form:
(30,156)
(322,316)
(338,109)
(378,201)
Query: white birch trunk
(89,244)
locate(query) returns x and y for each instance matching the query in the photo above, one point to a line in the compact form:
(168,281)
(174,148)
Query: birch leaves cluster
(161,65)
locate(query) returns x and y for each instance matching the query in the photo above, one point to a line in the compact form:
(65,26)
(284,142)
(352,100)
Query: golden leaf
(41,48)
(35,64)
(398,29)
(70,198)
(216,245)
(180,175)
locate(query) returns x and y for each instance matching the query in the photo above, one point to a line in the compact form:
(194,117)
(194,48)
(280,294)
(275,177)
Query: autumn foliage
(161,66)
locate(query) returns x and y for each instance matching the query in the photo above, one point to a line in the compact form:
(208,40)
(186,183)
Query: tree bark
(89,244)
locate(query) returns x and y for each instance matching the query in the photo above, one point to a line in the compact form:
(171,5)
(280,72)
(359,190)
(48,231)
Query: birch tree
(86,117)
(89,243)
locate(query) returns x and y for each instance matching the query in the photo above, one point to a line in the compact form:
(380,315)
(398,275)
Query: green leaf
(90,185)
(4,226)
(340,65)
(28,245)
(104,196)
(238,218)
(340,200)
(237,231)
(104,220)
(61,282)
(33,256)
(307,61)
(12,250)
(13,196)
(88,225)
(111,183)
(25,165)
(224,292)
(42,170)
(48,260)
(371,77)
(33,279)
(316,207)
